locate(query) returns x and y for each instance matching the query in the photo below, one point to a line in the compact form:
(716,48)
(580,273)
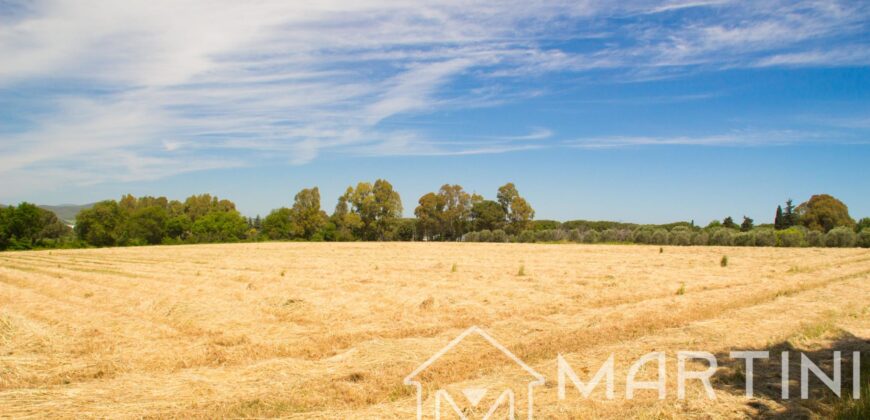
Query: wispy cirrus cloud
(144,89)
(736,138)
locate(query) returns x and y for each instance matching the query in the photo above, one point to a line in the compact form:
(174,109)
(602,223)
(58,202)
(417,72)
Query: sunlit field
(330,330)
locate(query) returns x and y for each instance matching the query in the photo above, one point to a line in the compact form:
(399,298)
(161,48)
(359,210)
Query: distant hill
(67,212)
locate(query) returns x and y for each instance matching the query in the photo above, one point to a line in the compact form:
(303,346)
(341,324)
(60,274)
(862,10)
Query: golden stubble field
(326,330)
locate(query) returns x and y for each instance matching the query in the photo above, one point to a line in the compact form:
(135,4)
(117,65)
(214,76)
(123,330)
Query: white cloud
(149,88)
(729,139)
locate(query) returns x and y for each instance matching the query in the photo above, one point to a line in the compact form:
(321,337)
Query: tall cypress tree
(789,217)
(777,221)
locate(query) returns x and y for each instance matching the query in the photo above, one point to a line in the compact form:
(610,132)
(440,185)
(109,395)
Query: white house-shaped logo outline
(443,395)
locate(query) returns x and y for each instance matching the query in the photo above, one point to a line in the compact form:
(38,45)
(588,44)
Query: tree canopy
(373,212)
(823,212)
(28,226)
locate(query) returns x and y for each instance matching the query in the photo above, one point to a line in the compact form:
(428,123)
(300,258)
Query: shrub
(499,235)
(526,236)
(591,236)
(840,237)
(724,261)
(816,238)
(723,237)
(864,238)
(404,230)
(485,235)
(550,235)
(574,235)
(700,238)
(660,237)
(471,237)
(791,237)
(765,237)
(681,235)
(744,239)
(610,235)
(642,236)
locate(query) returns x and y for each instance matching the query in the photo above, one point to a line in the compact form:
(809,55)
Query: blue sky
(636,111)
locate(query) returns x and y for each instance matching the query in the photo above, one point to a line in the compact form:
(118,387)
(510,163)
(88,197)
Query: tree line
(373,212)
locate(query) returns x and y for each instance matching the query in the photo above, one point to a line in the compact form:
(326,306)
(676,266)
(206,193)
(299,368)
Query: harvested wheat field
(330,330)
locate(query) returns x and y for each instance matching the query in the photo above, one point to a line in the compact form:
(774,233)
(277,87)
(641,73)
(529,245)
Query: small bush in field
(724,261)
(682,290)
(499,235)
(485,235)
(522,271)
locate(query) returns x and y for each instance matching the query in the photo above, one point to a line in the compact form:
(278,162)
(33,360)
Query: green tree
(179,226)
(521,215)
(456,214)
(279,225)
(789,217)
(28,226)
(99,225)
(713,225)
(506,195)
(147,225)
(823,212)
(862,224)
(488,214)
(197,206)
(5,221)
(728,223)
(747,224)
(778,222)
(428,213)
(405,230)
(376,208)
(388,205)
(519,212)
(346,222)
(52,227)
(306,214)
(219,226)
